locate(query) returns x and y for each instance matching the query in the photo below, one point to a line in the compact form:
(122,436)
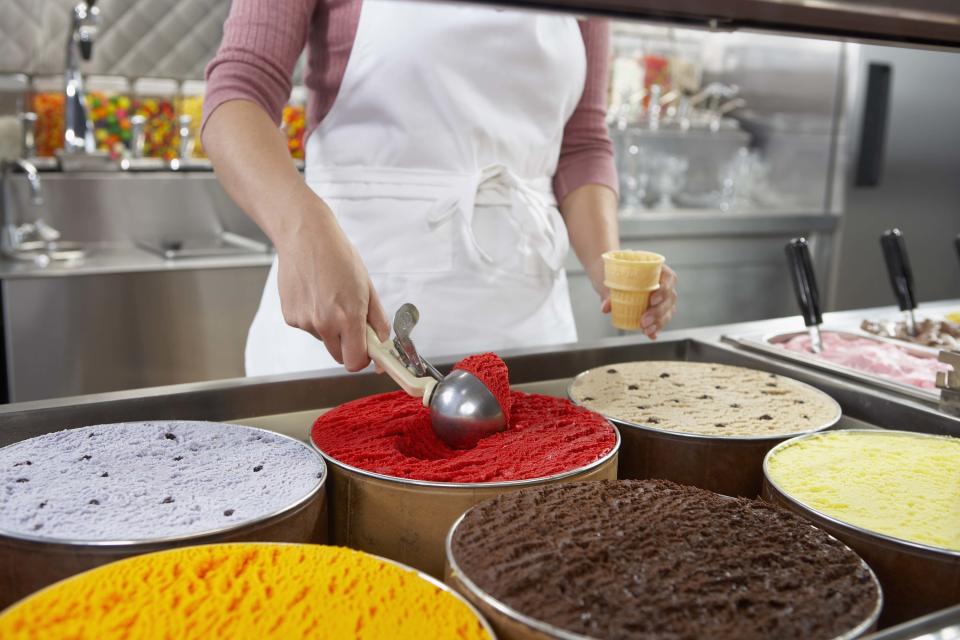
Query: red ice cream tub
(396,489)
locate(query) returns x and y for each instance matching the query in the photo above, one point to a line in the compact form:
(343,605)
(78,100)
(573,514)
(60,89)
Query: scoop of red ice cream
(492,371)
(390,434)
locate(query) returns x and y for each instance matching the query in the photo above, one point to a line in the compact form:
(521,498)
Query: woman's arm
(324,286)
(590,213)
(586,182)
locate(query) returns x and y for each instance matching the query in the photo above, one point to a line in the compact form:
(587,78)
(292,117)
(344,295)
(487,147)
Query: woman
(451,149)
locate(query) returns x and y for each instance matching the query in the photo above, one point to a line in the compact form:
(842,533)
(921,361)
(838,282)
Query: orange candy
(50,125)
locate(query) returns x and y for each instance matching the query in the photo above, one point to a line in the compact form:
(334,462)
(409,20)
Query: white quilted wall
(159,38)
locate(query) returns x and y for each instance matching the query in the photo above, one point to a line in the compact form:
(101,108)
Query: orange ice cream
(238,591)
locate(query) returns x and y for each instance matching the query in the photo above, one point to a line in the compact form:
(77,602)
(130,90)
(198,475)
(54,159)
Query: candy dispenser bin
(190,103)
(46,101)
(110,108)
(154,100)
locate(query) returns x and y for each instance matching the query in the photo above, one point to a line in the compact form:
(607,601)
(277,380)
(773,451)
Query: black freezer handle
(898,267)
(804,281)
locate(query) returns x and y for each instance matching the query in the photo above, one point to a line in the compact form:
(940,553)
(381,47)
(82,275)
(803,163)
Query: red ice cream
(390,434)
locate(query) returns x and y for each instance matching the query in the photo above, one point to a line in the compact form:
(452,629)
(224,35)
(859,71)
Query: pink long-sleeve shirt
(262,42)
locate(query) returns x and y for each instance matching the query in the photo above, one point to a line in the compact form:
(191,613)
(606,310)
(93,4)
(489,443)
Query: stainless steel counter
(643,223)
(237,398)
(290,403)
(103,259)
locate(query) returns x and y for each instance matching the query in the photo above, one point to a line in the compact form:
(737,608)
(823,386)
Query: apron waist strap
(530,202)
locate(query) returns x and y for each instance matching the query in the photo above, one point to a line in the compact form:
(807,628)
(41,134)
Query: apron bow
(532,212)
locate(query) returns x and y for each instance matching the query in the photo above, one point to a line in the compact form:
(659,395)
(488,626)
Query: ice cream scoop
(462,409)
(901,276)
(805,286)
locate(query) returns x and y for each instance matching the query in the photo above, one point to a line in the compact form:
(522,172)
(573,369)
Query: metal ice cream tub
(407,520)
(916,578)
(511,624)
(729,465)
(30,561)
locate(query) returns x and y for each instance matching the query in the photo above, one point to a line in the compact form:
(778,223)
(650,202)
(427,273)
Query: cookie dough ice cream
(649,558)
(901,485)
(390,434)
(234,591)
(704,399)
(150,480)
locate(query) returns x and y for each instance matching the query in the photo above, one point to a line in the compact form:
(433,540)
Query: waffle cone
(627,307)
(632,270)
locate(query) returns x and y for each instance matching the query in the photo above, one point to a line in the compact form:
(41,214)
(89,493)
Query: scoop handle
(804,281)
(956,244)
(898,268)
(381,353)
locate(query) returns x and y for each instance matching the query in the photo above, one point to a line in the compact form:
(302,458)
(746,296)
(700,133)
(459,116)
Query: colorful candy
(161,137)
(49,132)
(110,114)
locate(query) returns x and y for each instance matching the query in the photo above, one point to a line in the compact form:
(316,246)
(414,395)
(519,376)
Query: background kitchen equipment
(724,242)
(749,145)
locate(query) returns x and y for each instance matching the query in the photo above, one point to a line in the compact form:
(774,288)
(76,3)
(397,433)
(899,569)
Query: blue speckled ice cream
(150,480)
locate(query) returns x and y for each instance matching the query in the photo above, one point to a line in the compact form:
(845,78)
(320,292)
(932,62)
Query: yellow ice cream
(901,485)
(239,591)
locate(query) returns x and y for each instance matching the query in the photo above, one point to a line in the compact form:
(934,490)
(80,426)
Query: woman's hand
(325,289)
(663,303)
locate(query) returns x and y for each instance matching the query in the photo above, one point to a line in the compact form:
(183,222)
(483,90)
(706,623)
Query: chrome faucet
(13,234)
(78,128)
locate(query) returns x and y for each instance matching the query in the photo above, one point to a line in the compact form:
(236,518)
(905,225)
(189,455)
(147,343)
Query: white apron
(436,159)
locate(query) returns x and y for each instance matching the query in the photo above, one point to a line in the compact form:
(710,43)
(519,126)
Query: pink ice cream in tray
(905,365)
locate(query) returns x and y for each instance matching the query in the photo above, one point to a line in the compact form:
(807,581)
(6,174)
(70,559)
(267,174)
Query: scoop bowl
(463,410)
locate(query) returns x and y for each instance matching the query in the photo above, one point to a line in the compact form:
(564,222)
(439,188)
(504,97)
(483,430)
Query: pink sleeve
(586,154)
(261,44)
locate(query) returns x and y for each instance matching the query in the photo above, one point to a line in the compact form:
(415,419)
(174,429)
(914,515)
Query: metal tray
(766,343)
(223,244)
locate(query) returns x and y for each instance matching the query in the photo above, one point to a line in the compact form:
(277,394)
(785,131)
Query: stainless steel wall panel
(88,334)
(732,273)
(105,208)
(918,189)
